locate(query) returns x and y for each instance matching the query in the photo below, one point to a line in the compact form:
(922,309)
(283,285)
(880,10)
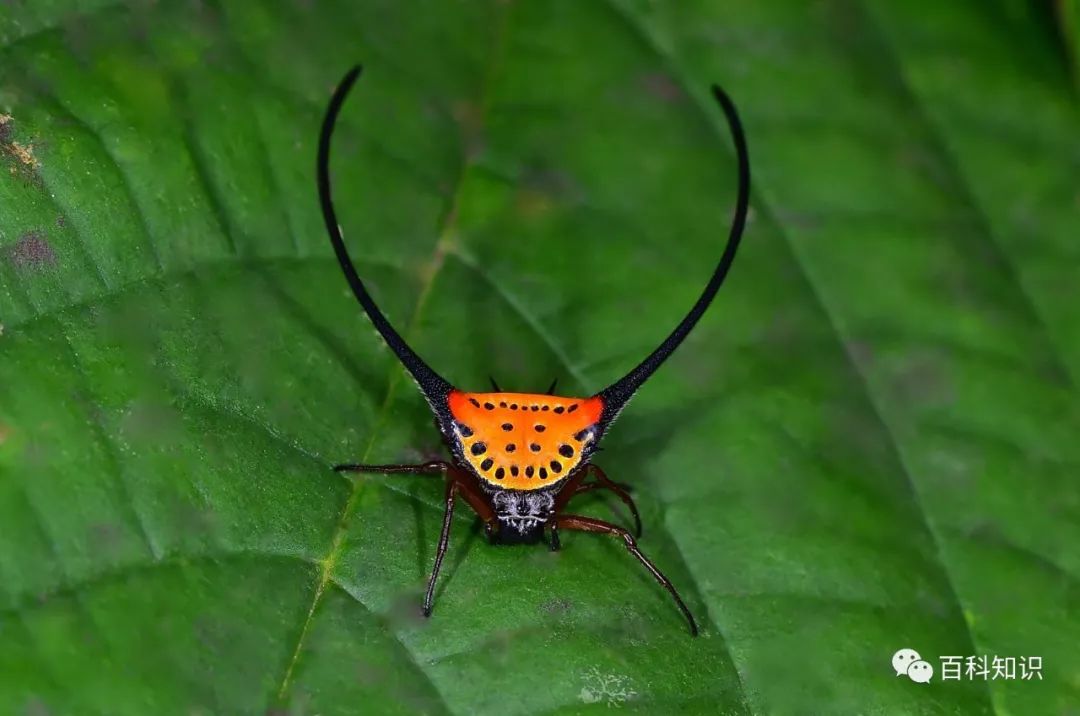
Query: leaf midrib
(446,236)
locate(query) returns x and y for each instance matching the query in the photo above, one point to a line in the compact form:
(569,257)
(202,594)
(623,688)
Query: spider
(518,459)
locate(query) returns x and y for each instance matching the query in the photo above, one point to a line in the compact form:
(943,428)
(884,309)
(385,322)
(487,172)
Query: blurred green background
(869,443)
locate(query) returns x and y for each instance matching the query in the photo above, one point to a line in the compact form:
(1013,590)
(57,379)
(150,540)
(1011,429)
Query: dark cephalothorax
(517,459)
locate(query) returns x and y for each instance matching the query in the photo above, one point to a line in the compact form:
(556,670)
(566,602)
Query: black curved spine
(617,394)
(433,386)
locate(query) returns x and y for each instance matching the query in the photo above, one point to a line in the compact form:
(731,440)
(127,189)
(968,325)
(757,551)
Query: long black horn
(431,383)
(616,395)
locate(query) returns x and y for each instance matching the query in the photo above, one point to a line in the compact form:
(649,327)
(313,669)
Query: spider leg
(444,541)
(588,524)
(457,483)
(478,501)
(624,486)
(565,494)
(421,469)
(604,483)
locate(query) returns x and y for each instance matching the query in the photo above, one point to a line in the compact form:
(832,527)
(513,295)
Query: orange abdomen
(523,441)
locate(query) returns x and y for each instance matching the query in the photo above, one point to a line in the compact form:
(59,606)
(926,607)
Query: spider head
(522,514)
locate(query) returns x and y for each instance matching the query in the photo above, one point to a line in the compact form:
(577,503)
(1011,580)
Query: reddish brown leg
(477,500)
(570,489)
(421,469)
(588,524)
(605,483)
(469,489)
(444,540)
(565,494)
(457,483)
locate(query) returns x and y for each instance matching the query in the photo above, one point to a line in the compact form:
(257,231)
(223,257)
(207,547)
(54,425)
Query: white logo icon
(908,661)
(920,671)
(904,658)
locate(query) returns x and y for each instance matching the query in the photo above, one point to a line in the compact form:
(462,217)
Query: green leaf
(1067,17)
(869,443)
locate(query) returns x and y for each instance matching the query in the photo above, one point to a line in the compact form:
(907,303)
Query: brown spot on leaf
(31,251)
(19,156)
(533,204)
(470,119)
(25,154)
(105,535)
(923,381)
(558,605)
(662,87)
(36,707)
